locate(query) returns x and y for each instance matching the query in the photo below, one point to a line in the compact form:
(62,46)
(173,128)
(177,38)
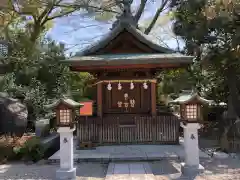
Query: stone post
(191,164)
(66,171)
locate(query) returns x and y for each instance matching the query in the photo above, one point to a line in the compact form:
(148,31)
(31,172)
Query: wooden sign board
(87,108)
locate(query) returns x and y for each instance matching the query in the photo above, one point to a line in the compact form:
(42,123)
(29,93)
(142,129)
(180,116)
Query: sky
(80,30)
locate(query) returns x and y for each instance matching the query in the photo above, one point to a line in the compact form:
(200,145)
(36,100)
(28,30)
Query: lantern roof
(190,96)
(66,101)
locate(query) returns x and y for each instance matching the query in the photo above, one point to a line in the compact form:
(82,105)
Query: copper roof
(162,56)
(124,59)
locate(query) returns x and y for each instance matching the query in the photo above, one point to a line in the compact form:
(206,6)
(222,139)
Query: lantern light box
(191,105)
(65,111)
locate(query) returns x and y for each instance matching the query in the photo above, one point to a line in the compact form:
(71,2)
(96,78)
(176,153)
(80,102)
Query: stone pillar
(191,164)
(66,171)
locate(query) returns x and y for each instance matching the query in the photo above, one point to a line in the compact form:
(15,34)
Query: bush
(31,150)
(9,146)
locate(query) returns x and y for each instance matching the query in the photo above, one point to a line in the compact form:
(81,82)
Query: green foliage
(190,78)
(211,32)
(209,29)
(39,76)
(37,73)
(79,85)
(31,150)
(36,15)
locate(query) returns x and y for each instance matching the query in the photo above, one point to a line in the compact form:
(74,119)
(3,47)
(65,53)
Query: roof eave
(174,60)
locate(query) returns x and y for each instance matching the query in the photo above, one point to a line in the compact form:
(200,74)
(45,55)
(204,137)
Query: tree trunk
(140,10)
(35,32)
(224,140)
(233,106)
(233,100)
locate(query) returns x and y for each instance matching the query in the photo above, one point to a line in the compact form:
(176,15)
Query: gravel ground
(85,171)
(225,169)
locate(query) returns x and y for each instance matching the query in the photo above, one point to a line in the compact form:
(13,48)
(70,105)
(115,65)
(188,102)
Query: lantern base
(66,174)
(191,170)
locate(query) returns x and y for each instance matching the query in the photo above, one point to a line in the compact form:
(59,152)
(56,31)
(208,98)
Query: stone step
(133,170)
(115,159)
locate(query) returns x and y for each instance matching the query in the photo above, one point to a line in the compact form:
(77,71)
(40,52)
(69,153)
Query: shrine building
(125,64)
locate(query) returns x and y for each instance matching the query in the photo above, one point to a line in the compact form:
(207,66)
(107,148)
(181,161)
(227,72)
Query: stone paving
(130,152)
(85,171)
(215,169)
(137,170)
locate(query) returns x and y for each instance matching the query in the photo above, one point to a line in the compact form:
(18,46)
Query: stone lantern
(191,106)
(190,114)
(65,113)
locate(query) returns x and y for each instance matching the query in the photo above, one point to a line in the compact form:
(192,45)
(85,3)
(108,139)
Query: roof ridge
(115,32)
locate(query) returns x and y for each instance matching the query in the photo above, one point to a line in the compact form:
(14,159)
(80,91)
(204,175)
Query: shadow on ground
(214,169)
(222,166)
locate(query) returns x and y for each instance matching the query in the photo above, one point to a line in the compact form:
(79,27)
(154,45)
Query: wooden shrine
(124,65)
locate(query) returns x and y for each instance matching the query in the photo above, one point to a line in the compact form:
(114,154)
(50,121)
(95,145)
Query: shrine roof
(120,27)
(124,59)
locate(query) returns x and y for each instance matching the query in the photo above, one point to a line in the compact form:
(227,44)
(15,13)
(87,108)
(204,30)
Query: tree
(116,6)
(37,15)
(211,32)
(39,77)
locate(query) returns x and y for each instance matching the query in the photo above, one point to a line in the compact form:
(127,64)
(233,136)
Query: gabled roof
(87,60)
(120,27)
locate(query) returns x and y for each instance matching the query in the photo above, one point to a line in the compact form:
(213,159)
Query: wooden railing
(145,129)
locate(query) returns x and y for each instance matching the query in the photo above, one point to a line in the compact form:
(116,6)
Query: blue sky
(78,31)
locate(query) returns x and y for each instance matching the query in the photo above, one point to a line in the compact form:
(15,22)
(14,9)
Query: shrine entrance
(127,97)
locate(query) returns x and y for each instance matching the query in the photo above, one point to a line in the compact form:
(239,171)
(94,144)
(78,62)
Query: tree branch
(60,15)
(77,6)
(140,10)
(20,13)
(45,13)
(155,18)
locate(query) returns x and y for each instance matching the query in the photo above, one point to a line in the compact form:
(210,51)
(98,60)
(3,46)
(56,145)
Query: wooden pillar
(153,99)
(99,99)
